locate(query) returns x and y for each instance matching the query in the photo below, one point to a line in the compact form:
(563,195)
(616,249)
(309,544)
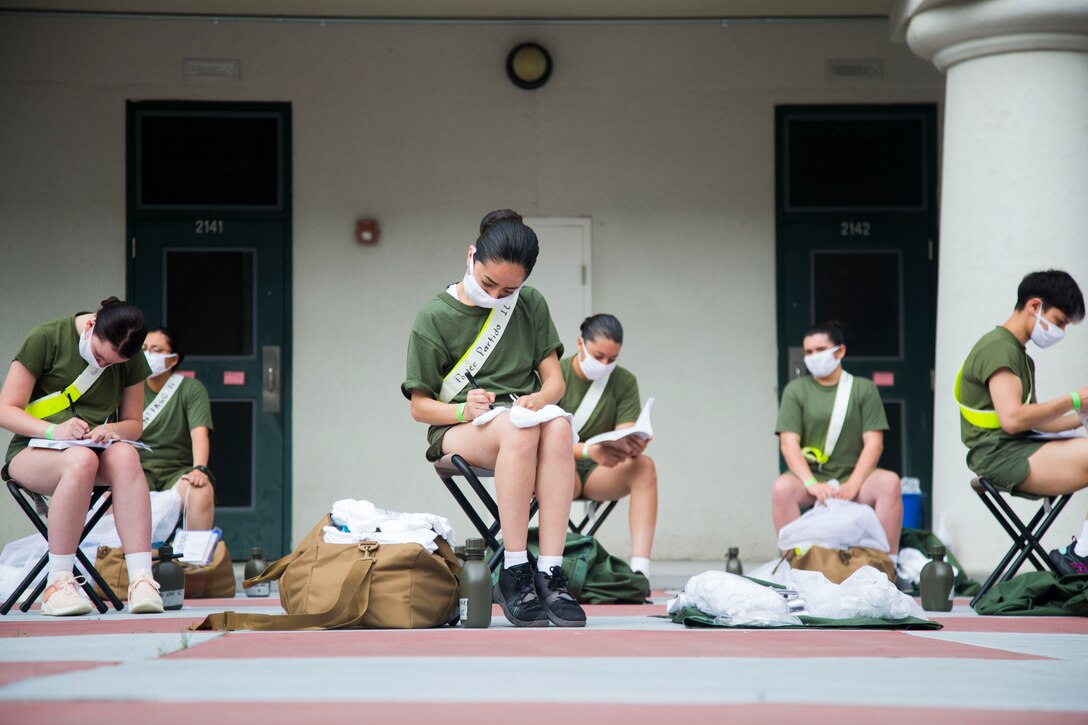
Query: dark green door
(856,223)
(215,269)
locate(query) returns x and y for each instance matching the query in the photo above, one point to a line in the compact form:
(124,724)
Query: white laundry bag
(835,524)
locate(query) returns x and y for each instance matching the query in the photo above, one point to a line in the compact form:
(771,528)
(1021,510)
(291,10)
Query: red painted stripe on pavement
(528,713)
(554,642)
(71,626)
(15,671)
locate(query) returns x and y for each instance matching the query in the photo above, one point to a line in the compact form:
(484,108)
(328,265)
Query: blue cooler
(912,511)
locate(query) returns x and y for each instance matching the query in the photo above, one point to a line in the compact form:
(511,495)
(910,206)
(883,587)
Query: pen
(476,386)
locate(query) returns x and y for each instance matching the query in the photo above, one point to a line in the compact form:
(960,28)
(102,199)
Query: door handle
(270,393)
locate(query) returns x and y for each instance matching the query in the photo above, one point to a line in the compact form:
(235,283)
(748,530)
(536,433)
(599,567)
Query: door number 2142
(853,229)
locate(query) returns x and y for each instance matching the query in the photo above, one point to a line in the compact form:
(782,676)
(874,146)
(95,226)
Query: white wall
(663,135)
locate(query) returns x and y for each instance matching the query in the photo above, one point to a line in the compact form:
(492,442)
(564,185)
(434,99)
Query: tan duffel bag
(354,586)
(837,565)
(216,580)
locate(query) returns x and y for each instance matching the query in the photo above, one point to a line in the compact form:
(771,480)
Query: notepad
(197,547)
(642,428)
(83,443)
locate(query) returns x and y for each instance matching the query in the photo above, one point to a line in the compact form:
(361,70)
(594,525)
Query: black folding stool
(36,508)
(452,465)
(1025,538)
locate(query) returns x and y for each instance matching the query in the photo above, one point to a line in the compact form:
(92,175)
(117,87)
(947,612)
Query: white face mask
(158,361)
(85,348)
(593,368)
(823,363)
(1043,337)
(476,293)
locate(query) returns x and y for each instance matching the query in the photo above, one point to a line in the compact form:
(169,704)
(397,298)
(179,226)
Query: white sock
(513,558)
(1081,549)
(60,564)
(545,563)
(138,564)
(641,564)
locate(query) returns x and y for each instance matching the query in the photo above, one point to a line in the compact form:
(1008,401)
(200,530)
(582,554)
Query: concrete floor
(629,665)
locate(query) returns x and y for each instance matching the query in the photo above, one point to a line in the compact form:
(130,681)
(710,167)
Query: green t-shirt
(998,349)
(443,331)
(51,354)
(169,436)
(806,410)
(619,402)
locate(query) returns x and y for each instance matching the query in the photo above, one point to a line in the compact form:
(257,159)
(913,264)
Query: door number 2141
(209,226)
(853,229)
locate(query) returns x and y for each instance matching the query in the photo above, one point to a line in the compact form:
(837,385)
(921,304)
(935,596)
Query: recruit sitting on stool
(831,433)
(1001,418)
(604,397)
(67,383)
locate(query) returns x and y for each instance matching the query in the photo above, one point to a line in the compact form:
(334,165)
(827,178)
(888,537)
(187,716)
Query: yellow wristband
(1076,400)
(585,451)
(461,412)
(810,482)
(49,432)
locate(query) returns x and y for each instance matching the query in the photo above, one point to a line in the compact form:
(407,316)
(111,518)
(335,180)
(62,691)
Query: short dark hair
(122,325)
(602,325)
(1056,289)
(504,237)
(171,339)
(831,328)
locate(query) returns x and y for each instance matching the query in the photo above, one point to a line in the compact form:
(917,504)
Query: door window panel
(892,457)
(209,301)
(231,458)
(862,291)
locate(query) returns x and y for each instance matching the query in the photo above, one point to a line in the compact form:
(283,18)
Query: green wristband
(1076,400)
(585,451)
(461,412)
(49,431)
(810,482)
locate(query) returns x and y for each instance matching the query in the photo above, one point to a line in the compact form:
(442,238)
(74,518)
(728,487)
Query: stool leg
(23,585)
(88,567)
(601,517)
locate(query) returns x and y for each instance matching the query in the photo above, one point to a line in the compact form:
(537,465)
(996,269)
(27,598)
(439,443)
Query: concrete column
(1014,198)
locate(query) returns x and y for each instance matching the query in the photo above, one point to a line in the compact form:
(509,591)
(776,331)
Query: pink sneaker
(65,598)
(143,595)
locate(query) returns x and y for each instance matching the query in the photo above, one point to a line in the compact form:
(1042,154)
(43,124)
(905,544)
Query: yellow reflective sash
(477,353)
(813,454)
(53,403)
(986,419)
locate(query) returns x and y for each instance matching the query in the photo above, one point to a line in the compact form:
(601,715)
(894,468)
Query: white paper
(642,428)
(83,443)
(197,547)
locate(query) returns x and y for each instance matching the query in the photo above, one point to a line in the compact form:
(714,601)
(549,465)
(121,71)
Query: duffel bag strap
(347,612)
(446,552)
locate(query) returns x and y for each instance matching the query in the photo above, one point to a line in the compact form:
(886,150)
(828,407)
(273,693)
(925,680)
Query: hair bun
(499,215)
(109,301)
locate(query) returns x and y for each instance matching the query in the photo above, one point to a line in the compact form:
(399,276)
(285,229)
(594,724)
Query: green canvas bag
(923,540)
(595,576)
(1040,593)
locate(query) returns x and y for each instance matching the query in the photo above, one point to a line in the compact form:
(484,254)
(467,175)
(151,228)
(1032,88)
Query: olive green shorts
(585,467)
(1004,463)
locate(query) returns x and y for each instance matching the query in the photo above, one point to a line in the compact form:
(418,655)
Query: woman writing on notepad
(81,377)
(604,397)
(483,342)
